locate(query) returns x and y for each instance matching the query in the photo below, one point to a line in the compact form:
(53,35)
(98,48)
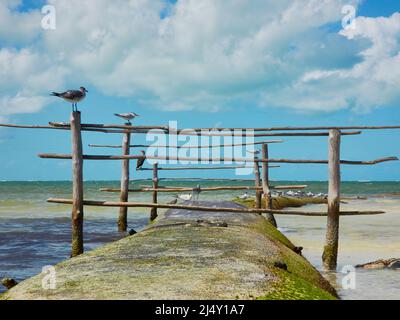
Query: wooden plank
(291,161)
(187,147)
(247,134)
(201,208)
(311,128)
(162,129)
(77,185)
(202,168)
(205,189)
(330,253)
(110,126)
(123,211)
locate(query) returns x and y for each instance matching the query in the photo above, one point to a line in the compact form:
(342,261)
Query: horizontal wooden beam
(205,189)
(209,209)
(16,126)
(256,135)
(202,168)
(312,128)
(145,129)
(187,147)
(109,126)
(205,179)
(293,161)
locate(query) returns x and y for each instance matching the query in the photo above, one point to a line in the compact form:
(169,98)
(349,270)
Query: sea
(34,233)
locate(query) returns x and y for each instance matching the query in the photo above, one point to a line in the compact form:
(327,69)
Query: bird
(256,151)
(184,197)
(244,196)
(127,116)
(196,192)
(141,161)
(73,96)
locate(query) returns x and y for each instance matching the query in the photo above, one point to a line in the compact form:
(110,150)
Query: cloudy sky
(203,63)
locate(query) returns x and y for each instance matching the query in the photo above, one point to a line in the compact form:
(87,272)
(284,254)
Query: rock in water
(9,283)
(393,263)
(132,232)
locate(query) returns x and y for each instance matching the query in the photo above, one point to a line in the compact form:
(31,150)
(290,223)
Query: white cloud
(17,27)
(205,55)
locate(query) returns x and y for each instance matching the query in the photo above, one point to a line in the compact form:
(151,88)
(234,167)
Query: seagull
(256,151)
(290,193)
(244,196)
(127,116)
(184,197)
(73,96)
(141,161)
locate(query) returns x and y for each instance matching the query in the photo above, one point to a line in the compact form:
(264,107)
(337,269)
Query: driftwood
(294,161)
(393,263)
(48,127)
(110,126)
(202,168)
(183,189)
(63,125)
(187,147)
(163,129)
(305,128)
(246,134)
(200,208)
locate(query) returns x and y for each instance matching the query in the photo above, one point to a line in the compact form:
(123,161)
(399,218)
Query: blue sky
(203,66)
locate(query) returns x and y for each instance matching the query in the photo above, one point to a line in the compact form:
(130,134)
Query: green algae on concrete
(282,202)
(188,255)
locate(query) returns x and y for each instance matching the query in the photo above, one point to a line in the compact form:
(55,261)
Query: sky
(203,63)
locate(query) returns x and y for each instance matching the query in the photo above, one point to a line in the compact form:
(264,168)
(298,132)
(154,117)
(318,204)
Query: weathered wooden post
(123,211)
(329,257)
(153,213)
(257,179)
(265,184)
(77,185)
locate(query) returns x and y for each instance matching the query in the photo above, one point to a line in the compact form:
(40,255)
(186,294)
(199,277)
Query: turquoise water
(34,233)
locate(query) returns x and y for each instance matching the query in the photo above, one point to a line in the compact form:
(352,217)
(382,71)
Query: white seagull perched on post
(73,96)
(127,116)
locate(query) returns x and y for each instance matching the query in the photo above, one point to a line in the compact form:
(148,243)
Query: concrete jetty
(188,255)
